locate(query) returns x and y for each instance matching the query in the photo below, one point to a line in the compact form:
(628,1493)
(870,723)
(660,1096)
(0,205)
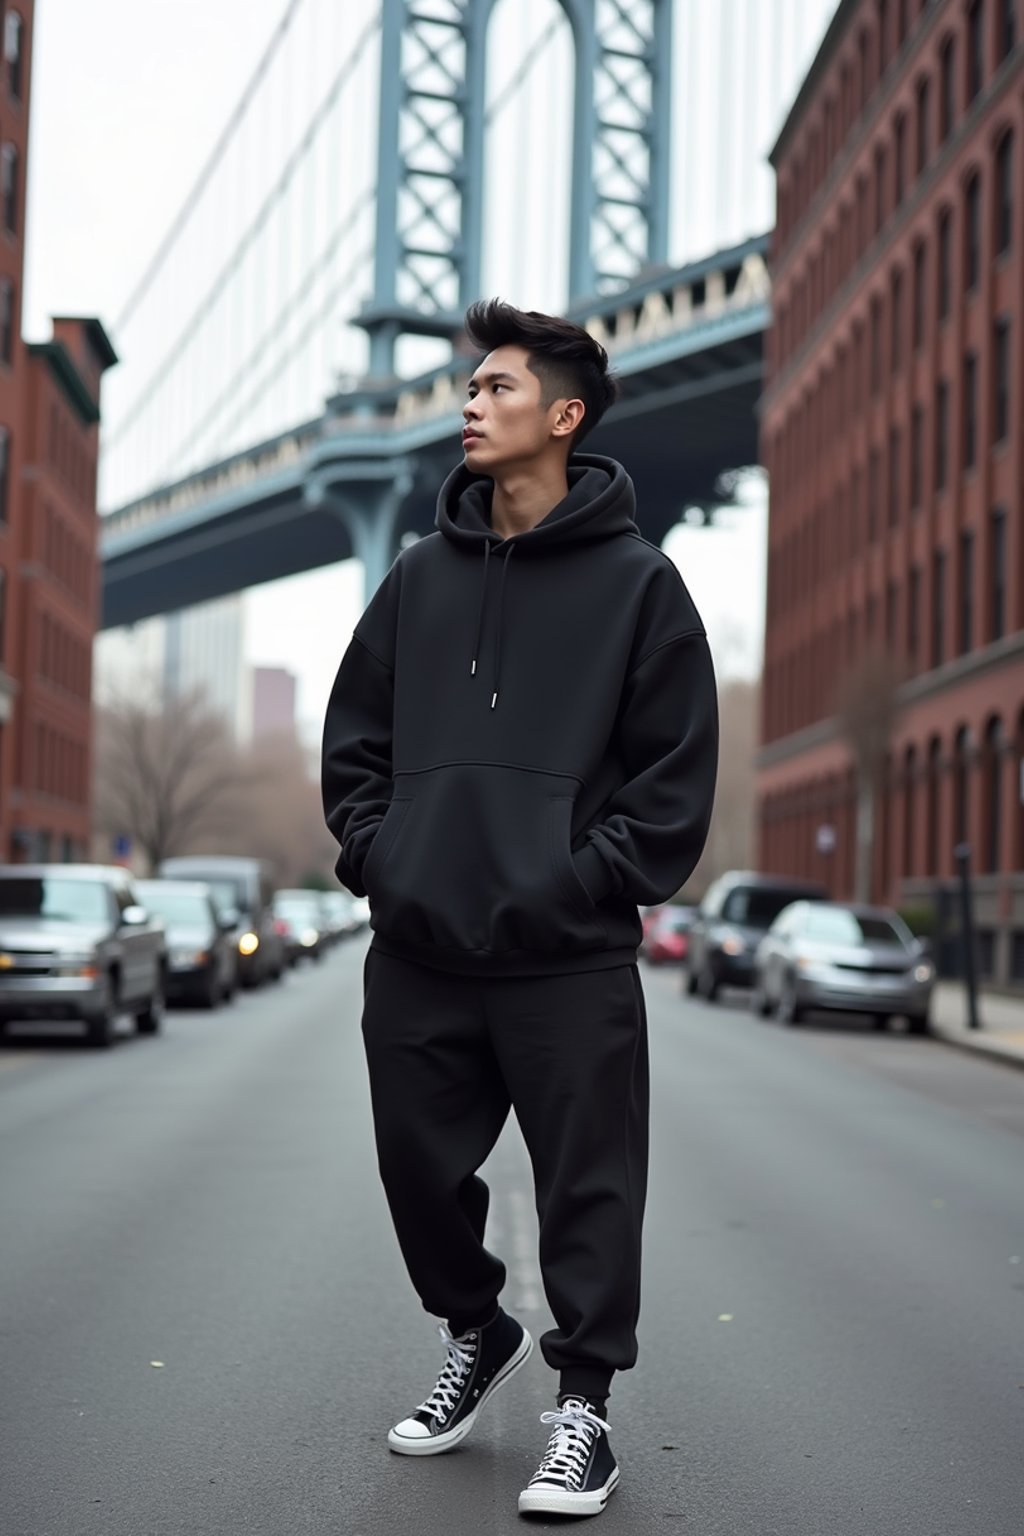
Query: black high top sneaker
(478,1363)
(577,1473)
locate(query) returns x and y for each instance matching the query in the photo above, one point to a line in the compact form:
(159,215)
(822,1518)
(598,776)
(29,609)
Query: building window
(917,300)
(923,123)
(874,492)
(895,466)
(934,771)
(947,84)
(975,50)
(876,345)
(961,775)
(916,457)
(972,234)
(902,22)
(1001,362)
(863,69)
(882,8)
(970,409)
(879,188)
(1007,27)
(1004,195)
(6,321)
(14,53)
(909,776)
(9,187)
(945,264)
(3,614)
(993,753)
(913,611)
(900,158)
(941,434)
(997,574)
(896,321)
(966,637)
(938,607)
(892,602)
(5,471)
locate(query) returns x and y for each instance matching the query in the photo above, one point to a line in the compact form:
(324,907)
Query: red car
(665,934)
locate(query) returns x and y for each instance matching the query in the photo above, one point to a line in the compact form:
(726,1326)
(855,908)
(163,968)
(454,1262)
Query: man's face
(505,422)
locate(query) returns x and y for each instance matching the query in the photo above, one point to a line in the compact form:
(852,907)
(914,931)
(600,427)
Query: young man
(520,747)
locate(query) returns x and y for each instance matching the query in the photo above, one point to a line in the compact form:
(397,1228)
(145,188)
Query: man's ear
(569,414)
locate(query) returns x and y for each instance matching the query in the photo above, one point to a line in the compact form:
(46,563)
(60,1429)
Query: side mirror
(134,917)
(924,946)
(227,922)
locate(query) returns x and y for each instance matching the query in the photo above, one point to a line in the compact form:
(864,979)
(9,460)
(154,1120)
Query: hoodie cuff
(595,875)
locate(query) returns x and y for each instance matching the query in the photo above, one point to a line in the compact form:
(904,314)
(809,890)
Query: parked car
(301,916)
(666,936)
(244,888)
(77,943)
(855,959)
(202,957)
(737,910)
(338,905)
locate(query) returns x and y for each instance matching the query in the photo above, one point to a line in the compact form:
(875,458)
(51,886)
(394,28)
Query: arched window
(947,93)
(961,784)
(972,233)
(992,759)
(932,807)
(1004,195)
(909,802)
(14,53)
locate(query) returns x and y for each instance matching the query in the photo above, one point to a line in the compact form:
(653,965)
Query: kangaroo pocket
(476,857)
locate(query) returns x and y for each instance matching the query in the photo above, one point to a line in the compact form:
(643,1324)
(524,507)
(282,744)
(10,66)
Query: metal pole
(962,854)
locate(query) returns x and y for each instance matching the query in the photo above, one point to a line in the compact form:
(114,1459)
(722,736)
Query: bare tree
(166,773)
(282,817)
(868,708)
(730,843)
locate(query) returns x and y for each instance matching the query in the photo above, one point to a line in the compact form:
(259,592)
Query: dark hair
(566,359)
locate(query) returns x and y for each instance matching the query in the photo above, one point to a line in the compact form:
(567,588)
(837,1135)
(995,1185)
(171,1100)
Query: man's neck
(524,497)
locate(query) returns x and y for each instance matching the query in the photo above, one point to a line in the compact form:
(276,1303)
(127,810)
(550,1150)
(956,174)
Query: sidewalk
(1001,1034)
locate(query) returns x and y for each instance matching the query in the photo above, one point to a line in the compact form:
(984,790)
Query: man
(519,749)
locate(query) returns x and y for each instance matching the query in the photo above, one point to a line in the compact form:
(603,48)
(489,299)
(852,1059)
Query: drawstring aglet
(472,670)
(494,701)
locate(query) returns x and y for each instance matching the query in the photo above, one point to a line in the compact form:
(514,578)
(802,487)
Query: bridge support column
(369,513)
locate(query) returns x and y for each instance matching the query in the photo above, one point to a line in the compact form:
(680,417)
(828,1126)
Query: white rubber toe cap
(411,1429)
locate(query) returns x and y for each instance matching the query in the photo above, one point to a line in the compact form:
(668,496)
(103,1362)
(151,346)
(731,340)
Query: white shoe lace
(457,1367)
(576,1429)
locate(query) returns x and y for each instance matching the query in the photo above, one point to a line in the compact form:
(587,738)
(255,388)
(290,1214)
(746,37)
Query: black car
(736,913)
(202,955)
(243,887)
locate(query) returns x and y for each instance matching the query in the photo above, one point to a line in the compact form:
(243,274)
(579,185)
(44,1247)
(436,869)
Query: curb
(979,1046)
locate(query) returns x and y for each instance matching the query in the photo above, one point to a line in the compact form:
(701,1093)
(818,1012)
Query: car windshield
(756,906)
(837,925)
(55,897)
(296,907)
(175,906)
(228,895)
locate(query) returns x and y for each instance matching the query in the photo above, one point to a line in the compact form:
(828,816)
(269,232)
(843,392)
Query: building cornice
(926,685)
(58,359)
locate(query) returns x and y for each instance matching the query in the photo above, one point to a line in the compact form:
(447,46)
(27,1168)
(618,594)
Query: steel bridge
(356,471)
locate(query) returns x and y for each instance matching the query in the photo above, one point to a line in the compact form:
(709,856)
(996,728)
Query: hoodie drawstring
(480,618)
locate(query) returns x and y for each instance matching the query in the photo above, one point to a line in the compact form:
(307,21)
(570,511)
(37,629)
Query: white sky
(128,97)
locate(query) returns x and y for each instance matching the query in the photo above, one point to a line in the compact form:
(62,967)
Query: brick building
(893,431)
(49,584)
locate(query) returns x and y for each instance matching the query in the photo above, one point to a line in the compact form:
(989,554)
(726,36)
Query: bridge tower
(430,163)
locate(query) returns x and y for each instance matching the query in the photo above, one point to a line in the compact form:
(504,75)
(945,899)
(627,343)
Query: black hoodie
(522,739)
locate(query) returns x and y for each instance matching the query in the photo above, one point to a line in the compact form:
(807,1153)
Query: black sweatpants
(448,1055)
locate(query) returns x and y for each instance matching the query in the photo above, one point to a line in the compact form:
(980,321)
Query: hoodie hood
(600,503)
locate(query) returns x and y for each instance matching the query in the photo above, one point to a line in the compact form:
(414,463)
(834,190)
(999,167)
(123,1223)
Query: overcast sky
(129,97)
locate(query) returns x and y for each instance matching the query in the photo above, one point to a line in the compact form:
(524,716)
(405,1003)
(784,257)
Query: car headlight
(924,972)
(248,944)
(732,944)
(189,957)
(308,937)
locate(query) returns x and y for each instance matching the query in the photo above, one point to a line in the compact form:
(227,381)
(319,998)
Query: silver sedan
(851,959)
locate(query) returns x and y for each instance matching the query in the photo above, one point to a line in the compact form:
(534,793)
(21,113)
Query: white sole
(553,1501)
(435,1445)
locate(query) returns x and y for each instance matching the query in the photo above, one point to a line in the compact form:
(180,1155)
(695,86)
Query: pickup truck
(75,943)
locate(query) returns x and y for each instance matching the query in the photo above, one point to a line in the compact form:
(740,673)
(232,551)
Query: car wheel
(880,1022)
(150,1020)
(790,1011)
(212,993)
(707,984)
(99,1029)
(690,981)
(919,1024)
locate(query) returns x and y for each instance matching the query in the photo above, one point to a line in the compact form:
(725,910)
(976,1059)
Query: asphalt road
(832,1339)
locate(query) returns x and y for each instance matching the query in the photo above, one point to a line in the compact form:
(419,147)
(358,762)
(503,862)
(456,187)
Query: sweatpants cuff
(588,1381)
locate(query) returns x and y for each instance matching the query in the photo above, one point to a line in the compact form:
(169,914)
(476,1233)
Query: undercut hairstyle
(566,359)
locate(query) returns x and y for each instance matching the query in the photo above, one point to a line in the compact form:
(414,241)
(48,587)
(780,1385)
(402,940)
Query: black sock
(463,1323)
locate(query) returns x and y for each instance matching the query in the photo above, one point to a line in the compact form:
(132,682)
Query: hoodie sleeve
(653,829)
(356,763)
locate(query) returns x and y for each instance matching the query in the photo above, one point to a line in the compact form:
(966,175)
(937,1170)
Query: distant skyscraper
(273,702)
